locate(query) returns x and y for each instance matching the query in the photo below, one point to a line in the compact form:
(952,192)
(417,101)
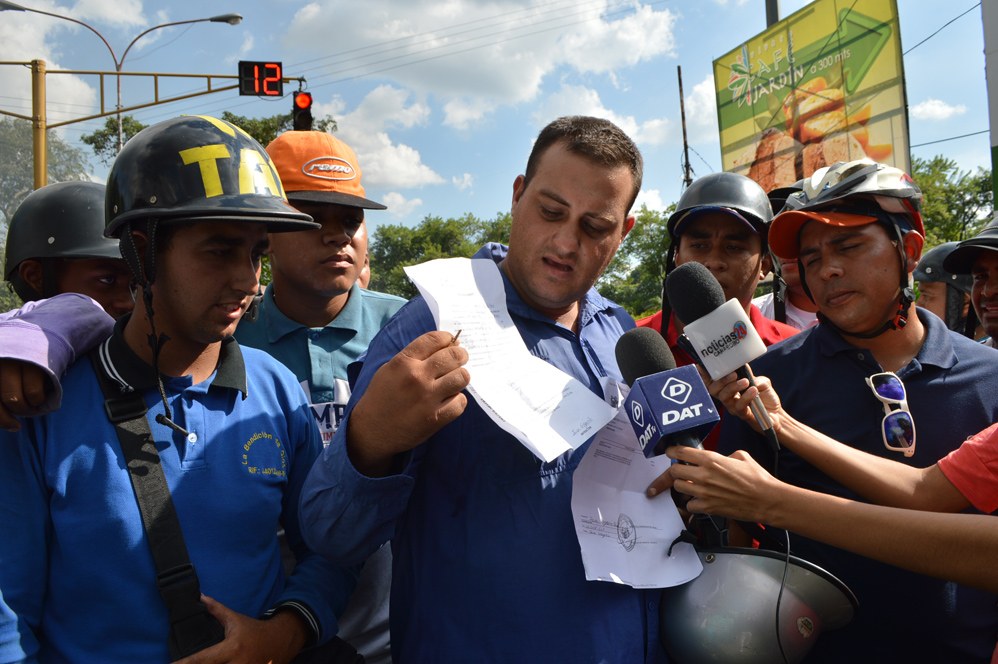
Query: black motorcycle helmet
(187,170)
(726,192)
(61,220)
(930,270)
(197,168)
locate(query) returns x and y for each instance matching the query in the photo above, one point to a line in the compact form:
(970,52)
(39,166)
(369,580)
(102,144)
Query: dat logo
(637,414)
(676,390)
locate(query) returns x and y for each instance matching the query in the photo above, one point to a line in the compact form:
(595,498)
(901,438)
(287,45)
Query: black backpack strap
(192,628)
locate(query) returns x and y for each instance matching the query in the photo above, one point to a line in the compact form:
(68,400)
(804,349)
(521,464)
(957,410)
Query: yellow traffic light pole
(38,119)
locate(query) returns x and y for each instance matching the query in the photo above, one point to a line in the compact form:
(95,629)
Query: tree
(395,246)
(105,141)
(955,204)
(8,299)
(16,158)
(264,130)
(634,277)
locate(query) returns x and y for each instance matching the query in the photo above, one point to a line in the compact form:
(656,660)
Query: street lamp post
(231,19)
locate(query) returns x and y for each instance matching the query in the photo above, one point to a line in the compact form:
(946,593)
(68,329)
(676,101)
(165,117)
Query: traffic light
(301,112)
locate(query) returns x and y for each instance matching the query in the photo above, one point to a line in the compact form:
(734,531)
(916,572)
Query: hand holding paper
(421,387)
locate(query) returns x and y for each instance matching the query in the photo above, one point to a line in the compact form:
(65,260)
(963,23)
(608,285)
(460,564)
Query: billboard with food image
(823,85)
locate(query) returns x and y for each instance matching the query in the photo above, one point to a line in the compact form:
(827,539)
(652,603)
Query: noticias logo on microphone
(725,343)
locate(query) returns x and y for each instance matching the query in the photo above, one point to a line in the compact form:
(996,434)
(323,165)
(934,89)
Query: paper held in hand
(547,410)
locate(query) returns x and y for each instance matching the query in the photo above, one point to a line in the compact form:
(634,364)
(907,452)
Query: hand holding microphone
(720,333)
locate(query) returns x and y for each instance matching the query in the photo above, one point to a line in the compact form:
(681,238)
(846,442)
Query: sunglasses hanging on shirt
(897,427)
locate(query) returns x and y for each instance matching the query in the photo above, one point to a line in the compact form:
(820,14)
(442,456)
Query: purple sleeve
(51,334)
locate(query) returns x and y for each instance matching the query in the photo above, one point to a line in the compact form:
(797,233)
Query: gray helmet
(931,268)
(62,220)
(720,192)
(961,260)
(728,613)
(730,191)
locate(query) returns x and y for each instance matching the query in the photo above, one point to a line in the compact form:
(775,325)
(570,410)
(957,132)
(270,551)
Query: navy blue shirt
(952,394)
(487,563)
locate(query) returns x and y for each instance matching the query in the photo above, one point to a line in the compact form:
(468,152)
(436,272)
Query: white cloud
(934,109)
(462,113)
(650,197)
(399,205)
(119,13)
(701,111)
(497,52)
(25,37)
(580,100)
(244,49)
(383,162)
(463,182)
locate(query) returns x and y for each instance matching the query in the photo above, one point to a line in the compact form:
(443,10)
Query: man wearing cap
(857,235)
(316,319)
(176,454)
(721,221)
(978,257)
(945,294)
(487,563)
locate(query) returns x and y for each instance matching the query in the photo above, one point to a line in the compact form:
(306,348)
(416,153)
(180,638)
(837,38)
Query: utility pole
(687,171)
(38,123)
(772,12)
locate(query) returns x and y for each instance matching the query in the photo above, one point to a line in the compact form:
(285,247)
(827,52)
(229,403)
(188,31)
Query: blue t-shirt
(952,394)
(75,564)
(487,563)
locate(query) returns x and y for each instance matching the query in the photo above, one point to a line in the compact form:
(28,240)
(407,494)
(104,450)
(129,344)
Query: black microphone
(694,294)
(643,352)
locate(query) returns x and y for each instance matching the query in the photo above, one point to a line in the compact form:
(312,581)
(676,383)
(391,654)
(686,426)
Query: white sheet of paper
(625,535)
(547,410)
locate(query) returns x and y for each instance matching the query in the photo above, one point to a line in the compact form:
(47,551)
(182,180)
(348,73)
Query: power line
(229,106)
(952,138)
(938,31)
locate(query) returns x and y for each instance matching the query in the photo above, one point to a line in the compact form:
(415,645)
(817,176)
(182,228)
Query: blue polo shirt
(320,356)
(487,563)
(75,564)
(952,394)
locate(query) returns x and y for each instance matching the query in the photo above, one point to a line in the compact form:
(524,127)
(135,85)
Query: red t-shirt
(973,469)
(770,331)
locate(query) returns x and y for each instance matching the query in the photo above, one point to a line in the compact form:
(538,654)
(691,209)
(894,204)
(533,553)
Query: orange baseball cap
(784,233)
(318,167)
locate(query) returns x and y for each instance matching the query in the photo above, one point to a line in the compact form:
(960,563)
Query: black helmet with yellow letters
(197,168)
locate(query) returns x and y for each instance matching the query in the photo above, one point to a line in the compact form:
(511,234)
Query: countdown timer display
(261,79)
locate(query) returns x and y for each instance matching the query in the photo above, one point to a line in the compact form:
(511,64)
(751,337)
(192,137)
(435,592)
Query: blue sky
(441,99)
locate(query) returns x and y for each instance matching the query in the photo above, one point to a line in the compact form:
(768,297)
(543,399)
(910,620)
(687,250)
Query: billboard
(823,85)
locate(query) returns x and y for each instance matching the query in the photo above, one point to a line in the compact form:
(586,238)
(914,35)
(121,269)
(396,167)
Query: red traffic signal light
(303,100)
(301,112)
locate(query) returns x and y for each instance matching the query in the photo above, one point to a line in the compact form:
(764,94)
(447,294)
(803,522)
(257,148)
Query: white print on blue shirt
(329,414)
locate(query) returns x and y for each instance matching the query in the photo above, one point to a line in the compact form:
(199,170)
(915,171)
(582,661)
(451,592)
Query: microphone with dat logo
(666,405)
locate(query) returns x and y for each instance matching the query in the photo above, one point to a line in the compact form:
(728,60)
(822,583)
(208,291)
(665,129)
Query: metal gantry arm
(39,120)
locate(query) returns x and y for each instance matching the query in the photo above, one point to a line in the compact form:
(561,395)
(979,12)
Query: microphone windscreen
(693,292)
(642,352)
